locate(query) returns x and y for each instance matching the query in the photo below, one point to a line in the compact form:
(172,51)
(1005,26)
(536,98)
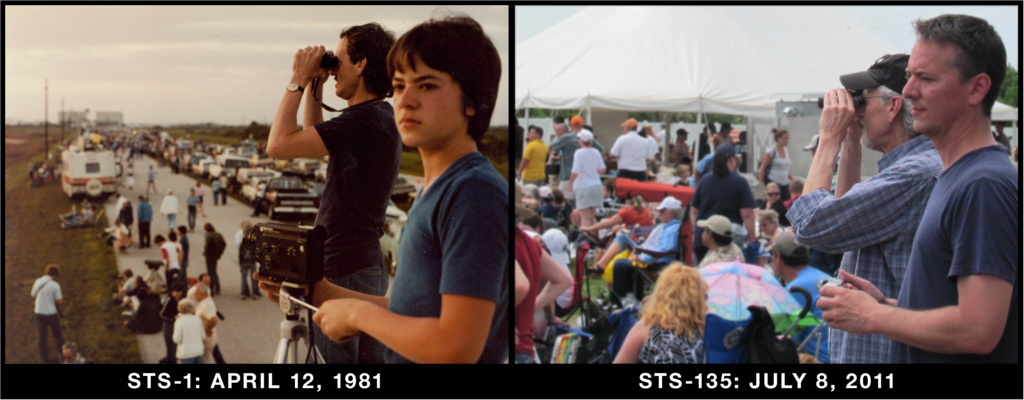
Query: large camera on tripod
(287,254)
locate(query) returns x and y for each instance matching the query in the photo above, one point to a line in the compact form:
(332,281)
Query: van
(228,164)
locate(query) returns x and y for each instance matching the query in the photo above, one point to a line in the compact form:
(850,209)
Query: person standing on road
(257,202)
(48,297)
(183,242)
(145,217)
(223,190)
(171,254)
(169,207)
(216,189)
(189,334)
(151,180)
(193,203)
(364,149)
(212,251)
(247,264)
(199,192)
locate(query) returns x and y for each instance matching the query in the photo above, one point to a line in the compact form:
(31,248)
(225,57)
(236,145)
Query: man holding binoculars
(364,148)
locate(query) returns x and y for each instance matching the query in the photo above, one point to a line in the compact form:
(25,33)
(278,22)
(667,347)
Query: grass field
(33,239)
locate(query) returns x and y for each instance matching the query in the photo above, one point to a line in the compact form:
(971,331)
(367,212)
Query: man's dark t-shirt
(971,226)
(364,149)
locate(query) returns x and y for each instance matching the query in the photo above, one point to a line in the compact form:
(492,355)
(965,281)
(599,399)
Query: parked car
(251,185)
(227,164)
(402,190)
(289,199)
(202,167)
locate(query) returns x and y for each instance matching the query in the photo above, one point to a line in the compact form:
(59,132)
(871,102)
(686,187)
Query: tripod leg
(282,351)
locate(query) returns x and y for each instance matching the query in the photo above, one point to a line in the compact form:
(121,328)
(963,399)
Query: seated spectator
(155,280)
(125,283)
(685,177)
(768,221)
(773,201)
(790,260)
(655,254)
(717,236)
(188,334)
(796,188)
(146,319)
(71,356)
(671,325)
(557,245)
(636,214)
(557,209)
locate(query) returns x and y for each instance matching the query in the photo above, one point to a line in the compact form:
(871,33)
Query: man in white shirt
(172,255)
(632,151)
(46,290)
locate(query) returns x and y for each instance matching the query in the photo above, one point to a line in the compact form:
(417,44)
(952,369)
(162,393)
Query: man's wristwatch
(294,87)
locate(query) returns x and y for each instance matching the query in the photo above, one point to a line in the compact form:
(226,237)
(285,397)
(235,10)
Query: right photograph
(766,185)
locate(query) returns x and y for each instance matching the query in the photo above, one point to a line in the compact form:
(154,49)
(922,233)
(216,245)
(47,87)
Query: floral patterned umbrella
(733,286)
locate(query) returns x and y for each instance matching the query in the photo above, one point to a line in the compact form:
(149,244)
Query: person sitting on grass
(671,325)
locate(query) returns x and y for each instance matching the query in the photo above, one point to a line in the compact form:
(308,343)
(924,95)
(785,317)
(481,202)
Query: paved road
(251,329)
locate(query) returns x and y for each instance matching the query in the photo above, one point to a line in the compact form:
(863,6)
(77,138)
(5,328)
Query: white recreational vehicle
(88,169)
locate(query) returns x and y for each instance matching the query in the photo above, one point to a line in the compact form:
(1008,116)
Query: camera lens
(328,61)
(858,100)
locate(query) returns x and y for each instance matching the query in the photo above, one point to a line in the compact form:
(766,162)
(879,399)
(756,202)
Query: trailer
(89,169)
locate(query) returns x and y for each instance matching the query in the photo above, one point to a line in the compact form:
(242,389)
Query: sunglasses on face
(773,194)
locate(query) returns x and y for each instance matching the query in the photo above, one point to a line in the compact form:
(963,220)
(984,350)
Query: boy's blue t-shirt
(456,241)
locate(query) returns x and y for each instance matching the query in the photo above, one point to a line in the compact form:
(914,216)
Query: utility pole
(62,118)
(46,120)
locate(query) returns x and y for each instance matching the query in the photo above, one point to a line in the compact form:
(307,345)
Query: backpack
(246,257)
(764,346)
(768,169)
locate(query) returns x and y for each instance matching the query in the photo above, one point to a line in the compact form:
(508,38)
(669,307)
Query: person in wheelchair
(652,256)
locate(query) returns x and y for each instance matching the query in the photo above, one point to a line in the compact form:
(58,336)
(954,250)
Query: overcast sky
(187,64)
(892,23)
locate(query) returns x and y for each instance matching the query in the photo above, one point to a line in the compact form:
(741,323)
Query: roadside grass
(33,239)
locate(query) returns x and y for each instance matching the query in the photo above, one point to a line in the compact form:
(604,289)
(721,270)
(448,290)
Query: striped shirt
(874,224)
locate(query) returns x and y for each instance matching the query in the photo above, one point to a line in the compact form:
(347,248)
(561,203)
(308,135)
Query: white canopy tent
(709,59)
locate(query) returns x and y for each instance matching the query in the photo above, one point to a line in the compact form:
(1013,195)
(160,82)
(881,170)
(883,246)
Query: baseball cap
(545,192)
(717,224)
(557,244)
(727,149)
(585,135)
(670,203)
(630,123)
(786,244)
(890,71)
(576,120)
(813,144)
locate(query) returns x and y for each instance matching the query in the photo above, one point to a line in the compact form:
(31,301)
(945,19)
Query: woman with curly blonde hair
(671,325)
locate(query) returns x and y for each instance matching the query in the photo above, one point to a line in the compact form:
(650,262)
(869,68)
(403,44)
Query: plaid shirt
(874,224)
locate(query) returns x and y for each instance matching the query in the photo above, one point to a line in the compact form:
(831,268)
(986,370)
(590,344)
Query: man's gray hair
(186,306)
(906,117)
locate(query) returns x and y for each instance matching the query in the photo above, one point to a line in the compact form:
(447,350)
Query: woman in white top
(780,161)
(585,180)
(170,208)
(188,334)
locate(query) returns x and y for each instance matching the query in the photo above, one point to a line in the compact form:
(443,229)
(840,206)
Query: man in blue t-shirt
(449,302)
(364,149)
(790,261)
(959,301)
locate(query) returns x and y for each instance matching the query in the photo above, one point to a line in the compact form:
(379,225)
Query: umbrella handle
(803,313)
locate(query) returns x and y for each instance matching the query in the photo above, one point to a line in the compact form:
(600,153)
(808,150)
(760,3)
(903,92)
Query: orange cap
(576,120)
(630,123)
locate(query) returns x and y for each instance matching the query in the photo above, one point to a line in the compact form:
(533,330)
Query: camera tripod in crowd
(293,329)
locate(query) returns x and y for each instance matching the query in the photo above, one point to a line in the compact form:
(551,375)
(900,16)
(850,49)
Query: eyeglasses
(773,194)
